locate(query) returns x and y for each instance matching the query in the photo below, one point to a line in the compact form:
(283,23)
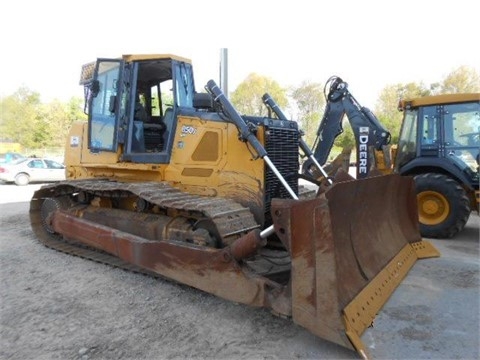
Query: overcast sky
(370,44)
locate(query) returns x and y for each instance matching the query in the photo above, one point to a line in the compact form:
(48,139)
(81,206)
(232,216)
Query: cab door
(429,132)
(104,105)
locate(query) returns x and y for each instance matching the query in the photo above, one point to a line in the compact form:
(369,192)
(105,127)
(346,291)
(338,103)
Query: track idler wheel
(49,206)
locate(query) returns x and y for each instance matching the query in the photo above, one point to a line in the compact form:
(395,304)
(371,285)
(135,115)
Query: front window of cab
(407,143)
(184,86)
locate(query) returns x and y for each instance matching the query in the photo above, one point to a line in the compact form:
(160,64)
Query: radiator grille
(282,147)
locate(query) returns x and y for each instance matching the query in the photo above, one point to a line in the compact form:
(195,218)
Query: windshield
(407,143)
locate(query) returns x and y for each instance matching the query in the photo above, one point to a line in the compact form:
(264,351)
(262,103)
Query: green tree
(57,117)
(310,102)
(345,139)
(26,120)
(19,115)
(247,97)
(464,79)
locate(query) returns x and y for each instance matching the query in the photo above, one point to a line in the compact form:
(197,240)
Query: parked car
(11,157)
(29,170)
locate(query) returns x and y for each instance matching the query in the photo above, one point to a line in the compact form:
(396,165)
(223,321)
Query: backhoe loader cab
(166,181)
(439,144)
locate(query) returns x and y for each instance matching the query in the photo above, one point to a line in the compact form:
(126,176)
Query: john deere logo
(363,150)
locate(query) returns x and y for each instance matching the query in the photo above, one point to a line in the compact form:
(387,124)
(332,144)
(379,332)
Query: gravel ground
(56,306)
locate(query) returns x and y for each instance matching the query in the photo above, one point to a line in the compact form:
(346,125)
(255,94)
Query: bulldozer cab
(131,104)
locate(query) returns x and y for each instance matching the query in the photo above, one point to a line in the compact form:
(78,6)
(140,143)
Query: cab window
(184,87)
(407,144)
(462,124)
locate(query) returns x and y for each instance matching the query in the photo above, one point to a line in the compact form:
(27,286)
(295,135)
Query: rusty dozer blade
(351,247)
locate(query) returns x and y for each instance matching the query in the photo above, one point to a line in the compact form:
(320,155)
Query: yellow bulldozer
(175,183)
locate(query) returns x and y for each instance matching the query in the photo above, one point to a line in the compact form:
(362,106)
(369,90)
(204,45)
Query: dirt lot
(56,306)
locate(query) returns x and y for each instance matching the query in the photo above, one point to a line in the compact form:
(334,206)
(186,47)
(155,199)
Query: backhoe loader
(439,145)
(195,192)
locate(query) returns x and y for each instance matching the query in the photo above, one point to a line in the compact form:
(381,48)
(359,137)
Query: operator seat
(203,102)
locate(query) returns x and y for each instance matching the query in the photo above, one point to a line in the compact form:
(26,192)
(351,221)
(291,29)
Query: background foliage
(24,119)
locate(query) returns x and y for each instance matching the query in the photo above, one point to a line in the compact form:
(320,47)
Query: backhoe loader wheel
(443,206)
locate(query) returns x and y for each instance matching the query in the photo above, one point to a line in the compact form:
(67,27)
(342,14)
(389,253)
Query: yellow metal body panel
(81,163)
(137,57)
(439,99)
(230,159)
(209,159)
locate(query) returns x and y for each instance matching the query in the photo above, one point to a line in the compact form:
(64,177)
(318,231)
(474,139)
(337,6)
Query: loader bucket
(351,247)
